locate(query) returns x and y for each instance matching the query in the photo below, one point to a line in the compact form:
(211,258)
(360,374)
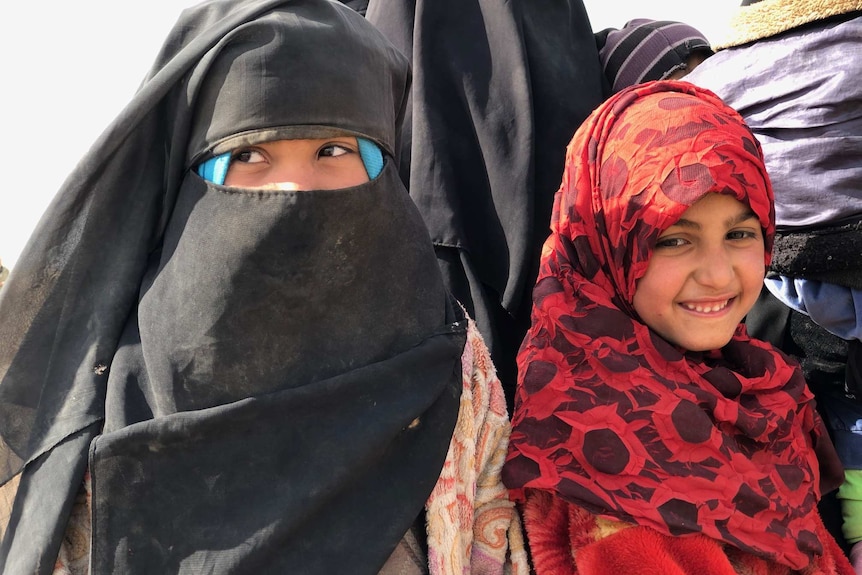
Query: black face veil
(264,381)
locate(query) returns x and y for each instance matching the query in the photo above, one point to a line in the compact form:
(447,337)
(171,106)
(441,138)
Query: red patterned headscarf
(612,417)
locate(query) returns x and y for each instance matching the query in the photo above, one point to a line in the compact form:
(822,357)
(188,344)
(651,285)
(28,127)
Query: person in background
(228,348)
(807,115)
(644,50)
(651,434)
(4,273)
(499,88)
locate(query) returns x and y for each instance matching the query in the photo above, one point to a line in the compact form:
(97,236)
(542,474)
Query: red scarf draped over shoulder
(615,419)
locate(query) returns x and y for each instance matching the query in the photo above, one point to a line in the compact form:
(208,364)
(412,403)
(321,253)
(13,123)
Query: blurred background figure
(645,49)
(498,90)
(793,70)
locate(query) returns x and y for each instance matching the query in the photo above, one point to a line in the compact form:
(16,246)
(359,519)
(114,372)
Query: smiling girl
(650,433)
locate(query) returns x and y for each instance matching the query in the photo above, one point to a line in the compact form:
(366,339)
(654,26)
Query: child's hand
(856,557)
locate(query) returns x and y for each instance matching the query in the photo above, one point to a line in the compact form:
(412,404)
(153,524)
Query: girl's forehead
(667,149)
(715,206)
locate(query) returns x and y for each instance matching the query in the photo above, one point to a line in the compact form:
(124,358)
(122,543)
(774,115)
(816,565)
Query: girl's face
(316,164)
(704,275)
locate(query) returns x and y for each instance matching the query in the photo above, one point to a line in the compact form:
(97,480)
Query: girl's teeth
(706,309)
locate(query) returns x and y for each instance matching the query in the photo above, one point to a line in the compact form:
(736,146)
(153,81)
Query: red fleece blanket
(568,540)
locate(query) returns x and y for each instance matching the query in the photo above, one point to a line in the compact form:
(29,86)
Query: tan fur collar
(770,17)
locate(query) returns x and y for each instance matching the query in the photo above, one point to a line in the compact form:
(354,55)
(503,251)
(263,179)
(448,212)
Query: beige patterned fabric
(472,526)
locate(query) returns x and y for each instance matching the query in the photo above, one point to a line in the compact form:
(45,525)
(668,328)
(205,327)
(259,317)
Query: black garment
(360,6)
(265,381)
(821,354)
(499,89)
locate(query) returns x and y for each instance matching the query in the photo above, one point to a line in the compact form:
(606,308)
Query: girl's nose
(715,267)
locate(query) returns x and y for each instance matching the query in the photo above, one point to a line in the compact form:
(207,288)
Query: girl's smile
(707,307)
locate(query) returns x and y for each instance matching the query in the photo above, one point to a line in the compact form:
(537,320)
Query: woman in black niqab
(255,381)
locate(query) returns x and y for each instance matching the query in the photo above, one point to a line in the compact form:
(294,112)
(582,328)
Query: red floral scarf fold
(608,414)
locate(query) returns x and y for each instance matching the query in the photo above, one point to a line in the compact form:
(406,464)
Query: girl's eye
(334,150)
(247,156)
(741,235)
(669,243)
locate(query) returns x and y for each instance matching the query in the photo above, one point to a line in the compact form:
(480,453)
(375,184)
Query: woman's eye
(334,150)
(247,156)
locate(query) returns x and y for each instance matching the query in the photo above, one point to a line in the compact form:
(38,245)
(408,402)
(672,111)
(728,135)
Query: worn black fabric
(499,88)
(831,254)
(272,378)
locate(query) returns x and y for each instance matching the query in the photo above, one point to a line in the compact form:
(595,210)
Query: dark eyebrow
(746,215)
(738,219)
